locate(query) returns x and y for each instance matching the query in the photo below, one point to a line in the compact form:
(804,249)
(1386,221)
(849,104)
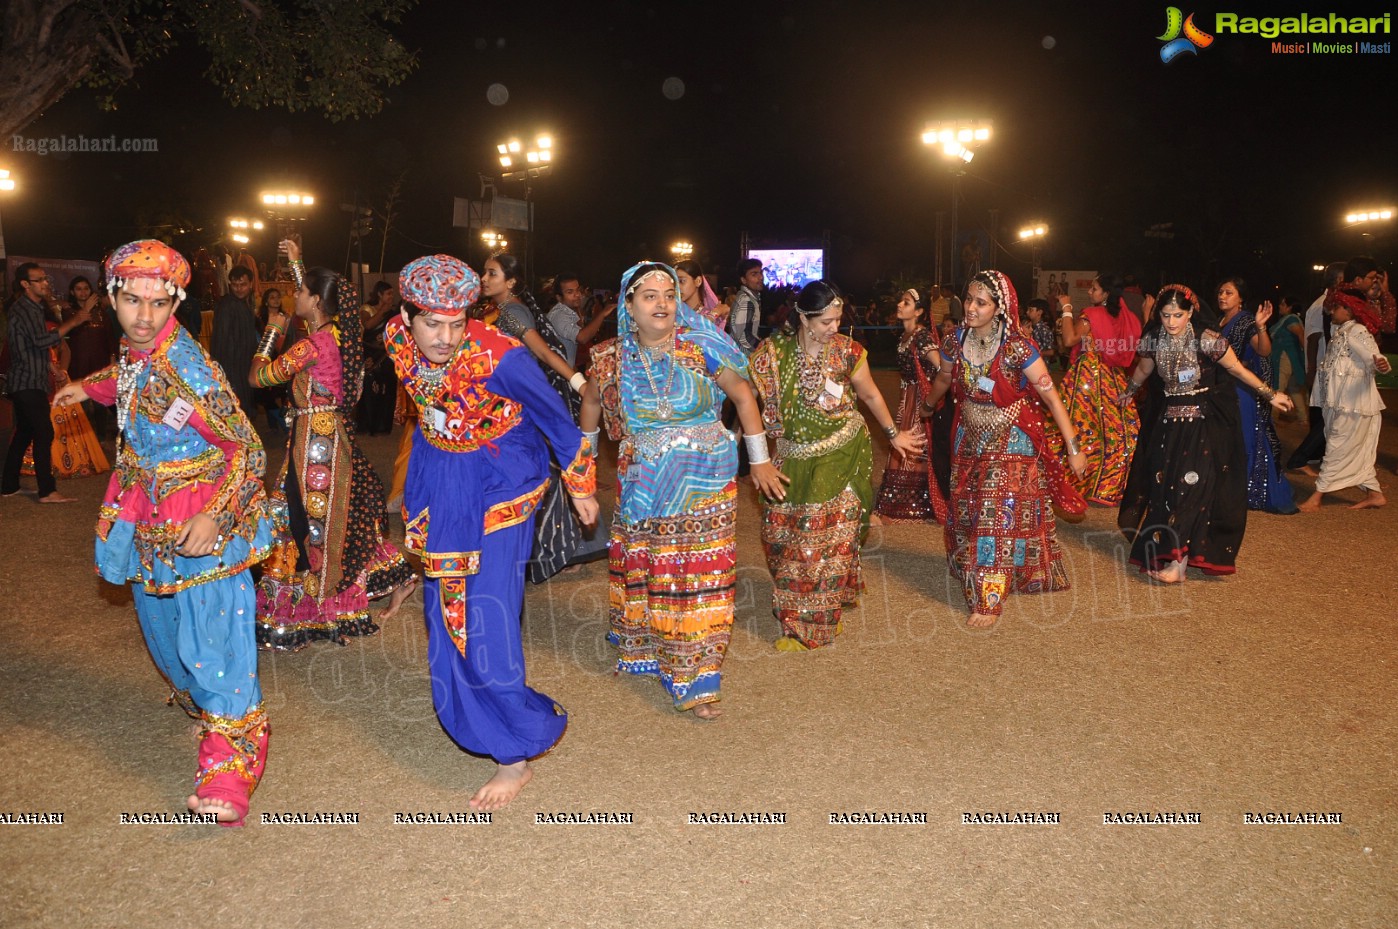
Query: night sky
(795,119)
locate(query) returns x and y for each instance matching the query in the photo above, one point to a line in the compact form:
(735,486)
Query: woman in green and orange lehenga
(808,380)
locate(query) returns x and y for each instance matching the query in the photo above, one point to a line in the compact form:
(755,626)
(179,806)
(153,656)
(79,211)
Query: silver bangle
(891,430)
(298,272)
(592,438)
(1073,446)
(577,382)
(757,448)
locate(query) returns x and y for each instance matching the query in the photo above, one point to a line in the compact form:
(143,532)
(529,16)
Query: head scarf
(1357,302)
(703,331)
(685,315)
(439,284)
(150,259)
(1006,299)
(707,298)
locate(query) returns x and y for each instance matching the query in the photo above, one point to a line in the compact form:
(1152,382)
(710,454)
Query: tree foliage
(338,57)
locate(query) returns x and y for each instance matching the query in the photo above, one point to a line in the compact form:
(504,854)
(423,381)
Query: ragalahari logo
(1175,43)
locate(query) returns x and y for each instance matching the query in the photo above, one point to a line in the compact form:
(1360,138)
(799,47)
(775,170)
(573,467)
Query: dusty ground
(1268,692)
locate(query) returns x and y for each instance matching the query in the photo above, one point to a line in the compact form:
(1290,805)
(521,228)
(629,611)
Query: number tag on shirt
(439,420)
(986,384)
(178,414)
(833,389)
(1187,374)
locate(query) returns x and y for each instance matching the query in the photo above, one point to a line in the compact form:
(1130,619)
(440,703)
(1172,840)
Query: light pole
(957,139)
(287,208)
(521,162)
(682,250)
(1034,235)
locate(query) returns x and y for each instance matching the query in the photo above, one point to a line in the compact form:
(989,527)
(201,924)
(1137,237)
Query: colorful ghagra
(1107,432)
(673,544)
(478,469)
(905,494)
(76,451)
(812,537)
(1186,497)
(331,557)
(1000,531)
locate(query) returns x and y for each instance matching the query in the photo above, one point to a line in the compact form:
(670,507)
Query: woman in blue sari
(1268,488)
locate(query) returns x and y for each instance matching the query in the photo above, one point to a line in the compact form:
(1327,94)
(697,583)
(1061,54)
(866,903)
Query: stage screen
(790,267)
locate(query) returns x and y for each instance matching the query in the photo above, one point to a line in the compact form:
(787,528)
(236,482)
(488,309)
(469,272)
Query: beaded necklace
(128,373)
(663,408)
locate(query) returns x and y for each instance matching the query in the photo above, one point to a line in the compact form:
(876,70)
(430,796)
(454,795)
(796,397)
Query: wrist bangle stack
(298,272)
(577,382)
(270,337)
(592,438)
(1072,445)
(890,430)
(1266,392)
(757,448)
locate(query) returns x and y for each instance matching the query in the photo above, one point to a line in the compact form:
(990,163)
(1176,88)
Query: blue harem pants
(480,696)
(202,640)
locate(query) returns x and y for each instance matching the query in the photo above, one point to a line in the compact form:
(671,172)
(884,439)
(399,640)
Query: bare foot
(1308,470)
(874,520)
(1372,502)
(57,497)
(220,808)
(1173,573)
(1312,504)
(496,793)
(403,592)
(981,620)
(708,711)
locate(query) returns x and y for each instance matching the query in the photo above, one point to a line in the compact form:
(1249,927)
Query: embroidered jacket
(479,461)
(187,448)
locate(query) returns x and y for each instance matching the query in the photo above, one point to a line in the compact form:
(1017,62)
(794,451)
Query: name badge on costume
(833,389)
(1187,374)
(439,420)
(986,384)
(178,414)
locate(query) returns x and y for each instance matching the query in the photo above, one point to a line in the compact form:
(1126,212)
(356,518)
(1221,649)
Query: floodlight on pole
(1370,215)
(682,250)
(521,162)
(957,139)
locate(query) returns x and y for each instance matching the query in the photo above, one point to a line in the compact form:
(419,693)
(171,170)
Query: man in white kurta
(1353,411)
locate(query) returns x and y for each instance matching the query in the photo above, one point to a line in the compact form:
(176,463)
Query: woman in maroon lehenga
(905,494)
(1000,533)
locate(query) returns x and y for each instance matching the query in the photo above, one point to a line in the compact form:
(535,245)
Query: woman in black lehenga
(1185,503)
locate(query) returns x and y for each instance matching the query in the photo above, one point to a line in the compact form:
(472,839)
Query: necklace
(431,377)
(663,408)
(128,373)
(983,351)
(811,376)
